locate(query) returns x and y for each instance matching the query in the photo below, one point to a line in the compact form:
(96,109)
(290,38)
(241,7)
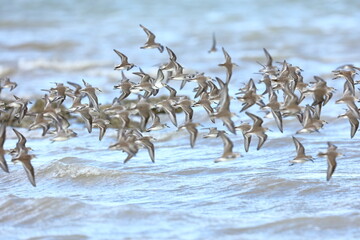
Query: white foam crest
(76,170)
(58,65)
(6,71)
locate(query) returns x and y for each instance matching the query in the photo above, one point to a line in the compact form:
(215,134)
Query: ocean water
(84,191)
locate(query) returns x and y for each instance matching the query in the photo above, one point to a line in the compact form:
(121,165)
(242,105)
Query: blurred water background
(84,191)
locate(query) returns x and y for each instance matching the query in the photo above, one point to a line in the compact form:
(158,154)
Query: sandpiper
(191,128)
(206,104)
(274,106)
(20,145)
(354,122)
(250,98)
(349,99)
(20,154)
(144,109)
(126,143)
(228,65)
(150,43)
(124,62)
(167,106)
(213,133)
(349,77)
(268,68)
(256,129)
(331,155)
(25,159)
(40,122)
(300,153)
(3,163)
(84,111)
(156,125)
(223,111)
(213,46)
(8,84)
(90,92)
(145,141)
(19,108)
(125,85)
(102,125)
(311,121)
(186,104)
(228,153)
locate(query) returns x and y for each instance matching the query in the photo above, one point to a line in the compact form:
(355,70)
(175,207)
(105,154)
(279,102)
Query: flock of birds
(210,93)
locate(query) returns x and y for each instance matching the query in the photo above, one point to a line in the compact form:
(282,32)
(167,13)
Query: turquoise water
(84,191)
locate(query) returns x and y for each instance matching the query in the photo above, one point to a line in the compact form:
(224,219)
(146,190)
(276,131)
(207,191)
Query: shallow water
(84,191)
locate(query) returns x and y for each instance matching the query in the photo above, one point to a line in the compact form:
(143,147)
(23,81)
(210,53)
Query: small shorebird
(213,46)
(268,85)
(158,81)
(91,94)
(191,128)
(300,153)
(125,85)
(243,127)
(214,91)
(54,114)
(250,98)
(59,93)
(291,103)
(213,133)
(76,92)
(25,159)
(354,122)
(124,62)
(223,111)
(156,125)
(228,153)
(311,121)
(145,84)
(124,118)
(186,105)
(20,145)
(150,43)
(322,93)
(256,129)
(167,106)
(126,143)
(143,107)
(8,84)
(250,85)
(268,68)
(228,65)
(40,122)
(145,141)
(331,155)
(63,134)
(172,93)
(349,99)
(19,109)
(349,77)
(20,154)
(102,125)
(170,65)
(206,104)
(274,106)
(202,82)
(84,111)
(3,163)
